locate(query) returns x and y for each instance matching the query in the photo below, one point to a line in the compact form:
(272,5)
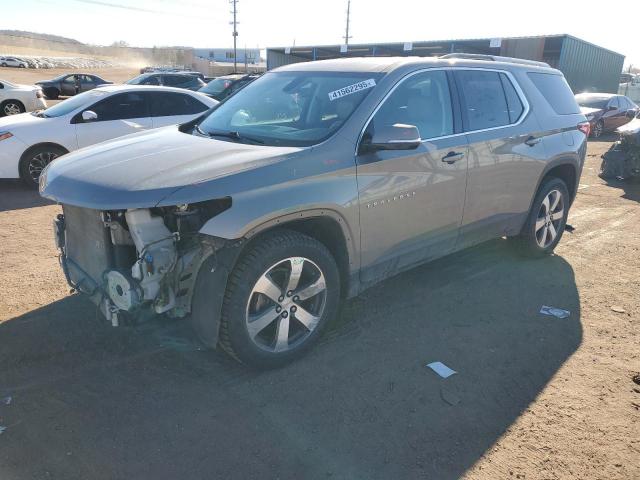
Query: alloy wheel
(37,164)
(549,219)
(597,130)
(286,304)
(11,109)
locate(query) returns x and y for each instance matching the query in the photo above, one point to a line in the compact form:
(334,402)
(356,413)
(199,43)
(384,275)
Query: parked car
(15,99)
(168,79)
(68,85)
(28,142)
(606,111)
(12,62)
(314,182)
(222,87)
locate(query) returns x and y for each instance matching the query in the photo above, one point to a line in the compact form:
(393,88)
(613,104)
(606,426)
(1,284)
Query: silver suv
(313,183)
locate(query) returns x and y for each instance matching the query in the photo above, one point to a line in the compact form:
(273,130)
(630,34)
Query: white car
(12,62)
(15,99)
(29,141)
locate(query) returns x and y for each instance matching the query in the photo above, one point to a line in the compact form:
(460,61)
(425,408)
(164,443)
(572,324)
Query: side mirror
(394,137)
(89,116)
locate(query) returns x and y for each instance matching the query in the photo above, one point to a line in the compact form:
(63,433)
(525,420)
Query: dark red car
(606,111)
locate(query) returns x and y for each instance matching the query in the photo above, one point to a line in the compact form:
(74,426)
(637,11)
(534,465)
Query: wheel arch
(329,228)
(566,170)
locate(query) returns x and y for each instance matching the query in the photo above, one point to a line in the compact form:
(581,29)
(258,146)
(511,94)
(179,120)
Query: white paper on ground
(556,312)
(441,369)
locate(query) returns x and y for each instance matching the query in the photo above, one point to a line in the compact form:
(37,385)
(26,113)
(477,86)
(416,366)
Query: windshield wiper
(230,134)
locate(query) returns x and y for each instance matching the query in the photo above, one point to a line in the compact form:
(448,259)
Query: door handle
(452,157)
(531,141)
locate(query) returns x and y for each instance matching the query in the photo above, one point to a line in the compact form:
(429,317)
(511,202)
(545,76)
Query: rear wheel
(546,221)
(280,296)
(35,159)
(11,107)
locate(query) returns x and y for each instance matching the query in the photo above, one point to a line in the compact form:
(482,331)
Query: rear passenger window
(169,104)
(423,100)
(484,100)
(555,89)
(514,104)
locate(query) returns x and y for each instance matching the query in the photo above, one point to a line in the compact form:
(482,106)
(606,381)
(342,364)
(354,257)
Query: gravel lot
(536,397)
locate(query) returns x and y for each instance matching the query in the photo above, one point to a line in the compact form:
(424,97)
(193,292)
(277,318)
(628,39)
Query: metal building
(586,66)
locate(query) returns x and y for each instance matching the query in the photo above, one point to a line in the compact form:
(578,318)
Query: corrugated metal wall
(588,67)
(277,59)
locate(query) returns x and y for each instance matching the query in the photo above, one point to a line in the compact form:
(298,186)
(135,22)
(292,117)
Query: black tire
(51,93)
(3,65)
(37,158)
(11,107)
(267,254)
(529,240)
(598,129)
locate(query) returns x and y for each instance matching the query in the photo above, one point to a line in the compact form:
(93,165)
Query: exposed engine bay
(137,260)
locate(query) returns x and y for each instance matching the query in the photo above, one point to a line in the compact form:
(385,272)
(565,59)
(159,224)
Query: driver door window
(422,101)
(118,115)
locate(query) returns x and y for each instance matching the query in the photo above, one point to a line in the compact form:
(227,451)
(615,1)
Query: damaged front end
(622,160)
(142,260)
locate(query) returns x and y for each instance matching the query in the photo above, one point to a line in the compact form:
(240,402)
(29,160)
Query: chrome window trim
(512,79)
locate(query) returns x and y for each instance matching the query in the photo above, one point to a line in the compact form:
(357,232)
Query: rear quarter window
(556,91)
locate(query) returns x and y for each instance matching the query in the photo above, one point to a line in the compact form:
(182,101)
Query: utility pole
(346,34)
(235,32)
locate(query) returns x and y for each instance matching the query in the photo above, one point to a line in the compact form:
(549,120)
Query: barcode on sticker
(348,90)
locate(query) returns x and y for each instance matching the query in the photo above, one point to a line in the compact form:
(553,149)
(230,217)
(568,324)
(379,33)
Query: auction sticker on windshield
(348,90)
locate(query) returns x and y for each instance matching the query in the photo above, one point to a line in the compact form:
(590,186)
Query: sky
(264,23)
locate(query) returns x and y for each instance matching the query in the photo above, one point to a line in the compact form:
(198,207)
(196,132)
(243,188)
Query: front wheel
(280,295)
(546,221)
(598,129)
(34,160)
(11,107)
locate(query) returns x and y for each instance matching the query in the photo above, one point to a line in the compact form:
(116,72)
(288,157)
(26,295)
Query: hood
(14,123)
(589,111)
(139,170)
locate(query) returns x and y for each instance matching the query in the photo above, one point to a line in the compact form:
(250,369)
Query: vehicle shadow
(89,401)
(630,187)
(14,195)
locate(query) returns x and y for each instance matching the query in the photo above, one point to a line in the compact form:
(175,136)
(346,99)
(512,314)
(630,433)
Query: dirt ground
(535,397)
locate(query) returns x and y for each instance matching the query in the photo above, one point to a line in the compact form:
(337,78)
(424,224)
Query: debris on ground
(553,311)
(618,309)
(2,429)
(441,369)
(7,400)
(569,228)
(636,378)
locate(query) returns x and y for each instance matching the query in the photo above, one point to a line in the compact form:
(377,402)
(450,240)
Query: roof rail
(495,58)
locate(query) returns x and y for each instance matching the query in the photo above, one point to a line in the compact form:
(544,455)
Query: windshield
(216,86)
(73,103)
(291,108)
(593,102)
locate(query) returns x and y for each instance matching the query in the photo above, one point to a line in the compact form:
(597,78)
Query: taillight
(585,127)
